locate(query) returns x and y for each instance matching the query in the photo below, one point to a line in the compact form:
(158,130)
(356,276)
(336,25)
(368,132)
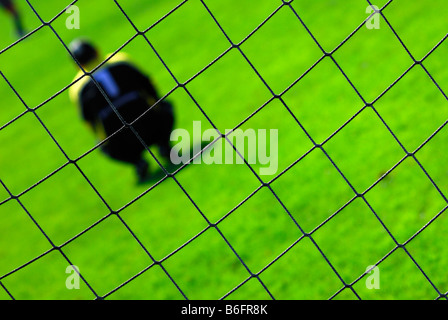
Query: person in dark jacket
(133,96)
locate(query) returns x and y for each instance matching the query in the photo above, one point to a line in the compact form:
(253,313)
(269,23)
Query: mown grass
(172,212)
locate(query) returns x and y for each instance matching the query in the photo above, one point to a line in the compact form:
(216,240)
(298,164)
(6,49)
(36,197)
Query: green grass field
(261,229)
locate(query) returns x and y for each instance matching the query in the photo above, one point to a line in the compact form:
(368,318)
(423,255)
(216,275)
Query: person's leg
(12,9)
(123,152)
(142,170)
(155,128)
(19,26)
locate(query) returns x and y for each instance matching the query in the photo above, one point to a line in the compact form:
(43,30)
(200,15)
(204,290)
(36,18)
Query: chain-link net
(358,195)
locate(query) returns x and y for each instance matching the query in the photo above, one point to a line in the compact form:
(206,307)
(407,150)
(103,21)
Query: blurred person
(132,94)
(11,8)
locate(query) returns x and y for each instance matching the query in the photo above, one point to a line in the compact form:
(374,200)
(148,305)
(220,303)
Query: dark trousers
(154,128)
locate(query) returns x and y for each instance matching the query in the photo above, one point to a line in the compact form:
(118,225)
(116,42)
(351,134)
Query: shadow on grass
(156,174)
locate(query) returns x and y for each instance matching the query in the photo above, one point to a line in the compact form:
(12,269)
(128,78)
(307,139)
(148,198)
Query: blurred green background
(166,217)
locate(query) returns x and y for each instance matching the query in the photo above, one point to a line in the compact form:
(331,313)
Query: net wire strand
(6,290)
(316,146)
